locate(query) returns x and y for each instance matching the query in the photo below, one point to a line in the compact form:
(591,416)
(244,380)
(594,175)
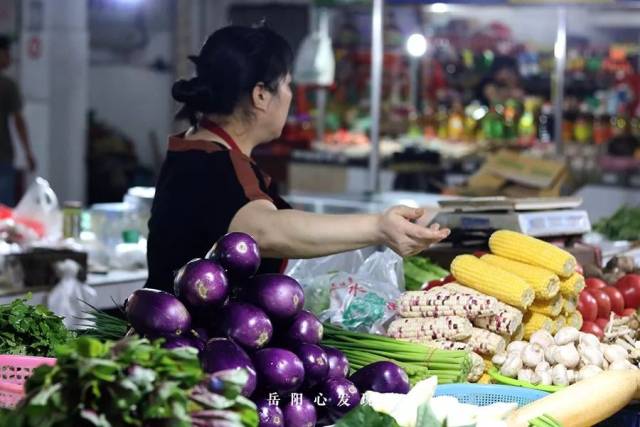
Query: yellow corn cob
(518,335)
(544,282)
(573,285)
(550,308)
(451,328)
(506,320)
(534,322)
(530,250)
(570,304)
(558,323)
(486,343)
(439,302)
(575,320)
(493,281)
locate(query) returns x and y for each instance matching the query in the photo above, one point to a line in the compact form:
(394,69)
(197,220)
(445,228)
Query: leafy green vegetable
(623,225)
(130,382)
(419,270)
(101,325)
(30,330)
(364,415)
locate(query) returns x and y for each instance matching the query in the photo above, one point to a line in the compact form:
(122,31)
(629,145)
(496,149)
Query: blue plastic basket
(482,395)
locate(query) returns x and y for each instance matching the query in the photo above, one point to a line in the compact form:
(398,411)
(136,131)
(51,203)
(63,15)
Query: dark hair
(5,42)
(231,62)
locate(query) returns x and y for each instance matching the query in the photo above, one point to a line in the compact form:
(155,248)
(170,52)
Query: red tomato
(629,285)
(628,312)
(617,300)
(593,329)
(587,306)
(604,302)
(602,323)
(594,282)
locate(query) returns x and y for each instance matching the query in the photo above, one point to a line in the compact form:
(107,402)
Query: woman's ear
(260,96)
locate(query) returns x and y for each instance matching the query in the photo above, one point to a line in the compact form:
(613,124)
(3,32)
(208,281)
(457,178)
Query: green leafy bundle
(419,270)
(130,382)
(623,225)
(30,330)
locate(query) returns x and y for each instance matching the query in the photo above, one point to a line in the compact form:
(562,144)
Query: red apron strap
(217,130)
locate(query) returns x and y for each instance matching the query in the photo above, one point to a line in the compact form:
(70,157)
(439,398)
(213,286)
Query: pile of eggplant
(239,320)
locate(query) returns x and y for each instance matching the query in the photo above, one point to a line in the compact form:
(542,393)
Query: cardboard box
(512,174)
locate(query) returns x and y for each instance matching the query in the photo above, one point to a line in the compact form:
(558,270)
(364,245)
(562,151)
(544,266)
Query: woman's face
(278,109)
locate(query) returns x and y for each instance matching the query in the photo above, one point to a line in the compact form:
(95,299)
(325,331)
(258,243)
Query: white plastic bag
(350,290)
(40,204)
(66,297)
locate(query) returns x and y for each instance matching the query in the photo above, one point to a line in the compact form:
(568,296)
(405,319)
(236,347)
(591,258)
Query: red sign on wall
(34,47)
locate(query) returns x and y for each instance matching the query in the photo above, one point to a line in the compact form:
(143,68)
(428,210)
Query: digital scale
(537,217)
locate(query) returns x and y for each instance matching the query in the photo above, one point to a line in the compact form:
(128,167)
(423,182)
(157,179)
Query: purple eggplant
(183,341)
(222,354)
(247,325)
(315,362)
(341,395)
(238,254)
(269,413)
(299,411)
(280,296)
(201,283)
(338,363)
(280,370)
(383,377)
(156,313)
(305,328)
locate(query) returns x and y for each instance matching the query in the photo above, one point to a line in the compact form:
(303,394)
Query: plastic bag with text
(66,297)
(350,290)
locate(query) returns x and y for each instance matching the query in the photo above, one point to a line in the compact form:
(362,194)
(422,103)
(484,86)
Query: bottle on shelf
(493,124)
(511,120)
(583,128)
(601,127)
(527,123)
(546,133)
(442,121)
(455,123)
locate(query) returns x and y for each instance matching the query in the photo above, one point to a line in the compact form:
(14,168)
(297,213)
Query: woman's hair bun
(193,91)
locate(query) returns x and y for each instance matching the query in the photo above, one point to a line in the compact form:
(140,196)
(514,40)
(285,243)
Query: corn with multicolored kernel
(493,281)
(477,368)
(530,250)
(570,304)
(573,285)
(550,308)
(545,283)
(575,320)
(534,322)
(450,328)
(439,302)
(486,343)
(505,321)
(439,344)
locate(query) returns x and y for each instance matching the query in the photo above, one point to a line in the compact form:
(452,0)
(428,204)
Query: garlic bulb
(542,367)
(559,375)
(589,339)
(543,338)
(615,352)
(499,359)
(567,335)
(621,365)
(545,377)
(567,355)
(511,366)
(588,372)
(591,355)
(571,376)
(549,354)
(525,375)
(516,346)
(532,355)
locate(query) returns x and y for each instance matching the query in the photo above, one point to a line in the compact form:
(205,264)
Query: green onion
(419,361)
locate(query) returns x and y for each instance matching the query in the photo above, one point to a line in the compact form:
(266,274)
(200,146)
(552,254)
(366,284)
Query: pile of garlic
(569,357)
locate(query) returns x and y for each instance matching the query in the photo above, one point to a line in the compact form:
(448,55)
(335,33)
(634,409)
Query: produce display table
(113,286)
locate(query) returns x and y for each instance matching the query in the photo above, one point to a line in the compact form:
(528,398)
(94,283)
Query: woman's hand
(403,229)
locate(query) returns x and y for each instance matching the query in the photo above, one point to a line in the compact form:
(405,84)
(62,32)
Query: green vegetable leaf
(364,415)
